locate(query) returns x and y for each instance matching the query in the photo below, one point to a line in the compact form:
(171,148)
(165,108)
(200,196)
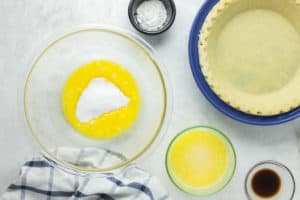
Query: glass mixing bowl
(43,91)
(217,186)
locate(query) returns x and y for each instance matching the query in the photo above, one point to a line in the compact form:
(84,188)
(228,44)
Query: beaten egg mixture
(198,158)
(110,124)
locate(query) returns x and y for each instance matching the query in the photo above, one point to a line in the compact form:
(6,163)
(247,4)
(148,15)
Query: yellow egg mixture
(198,158)
(109,124)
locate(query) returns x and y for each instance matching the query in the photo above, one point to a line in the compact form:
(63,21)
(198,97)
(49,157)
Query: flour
(100,96)
(151,14)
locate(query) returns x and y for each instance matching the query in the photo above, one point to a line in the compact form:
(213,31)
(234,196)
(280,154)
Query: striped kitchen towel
(40,179)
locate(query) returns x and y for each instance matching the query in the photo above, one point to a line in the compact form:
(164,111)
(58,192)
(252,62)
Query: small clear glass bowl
(220,184)
(46,79)
(287,185)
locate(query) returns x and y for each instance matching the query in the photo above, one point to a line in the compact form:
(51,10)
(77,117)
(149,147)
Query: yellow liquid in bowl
(198,158)
(109,124)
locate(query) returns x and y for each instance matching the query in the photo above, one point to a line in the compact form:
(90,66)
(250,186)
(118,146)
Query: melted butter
(110,124)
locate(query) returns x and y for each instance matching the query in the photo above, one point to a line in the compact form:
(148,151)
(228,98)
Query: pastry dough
(250,54)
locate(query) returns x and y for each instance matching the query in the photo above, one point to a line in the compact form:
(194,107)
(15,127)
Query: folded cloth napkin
(41,179)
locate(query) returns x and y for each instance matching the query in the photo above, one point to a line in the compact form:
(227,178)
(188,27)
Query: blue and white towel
(41,180)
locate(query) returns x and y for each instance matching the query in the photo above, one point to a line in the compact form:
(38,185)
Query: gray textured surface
(25,24)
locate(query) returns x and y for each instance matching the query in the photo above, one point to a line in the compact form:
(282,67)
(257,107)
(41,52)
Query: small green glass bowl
(220,184)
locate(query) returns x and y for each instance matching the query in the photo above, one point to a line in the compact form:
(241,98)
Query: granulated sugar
(101,96)
(151,14)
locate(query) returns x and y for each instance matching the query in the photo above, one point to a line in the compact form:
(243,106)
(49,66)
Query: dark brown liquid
(266,183)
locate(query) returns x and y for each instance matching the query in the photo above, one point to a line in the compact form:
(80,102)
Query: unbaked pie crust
(250,54)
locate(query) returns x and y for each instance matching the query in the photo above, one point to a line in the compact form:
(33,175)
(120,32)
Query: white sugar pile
(100,96)
(151,14)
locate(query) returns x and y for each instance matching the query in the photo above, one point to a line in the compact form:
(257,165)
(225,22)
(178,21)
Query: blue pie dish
(207,91)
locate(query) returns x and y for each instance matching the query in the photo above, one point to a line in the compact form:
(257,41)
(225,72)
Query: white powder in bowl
(151,14)
(100,96)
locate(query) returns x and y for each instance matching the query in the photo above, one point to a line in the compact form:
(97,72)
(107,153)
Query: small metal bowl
(171,13)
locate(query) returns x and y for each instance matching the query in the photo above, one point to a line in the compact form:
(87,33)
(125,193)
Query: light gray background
(26,24)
